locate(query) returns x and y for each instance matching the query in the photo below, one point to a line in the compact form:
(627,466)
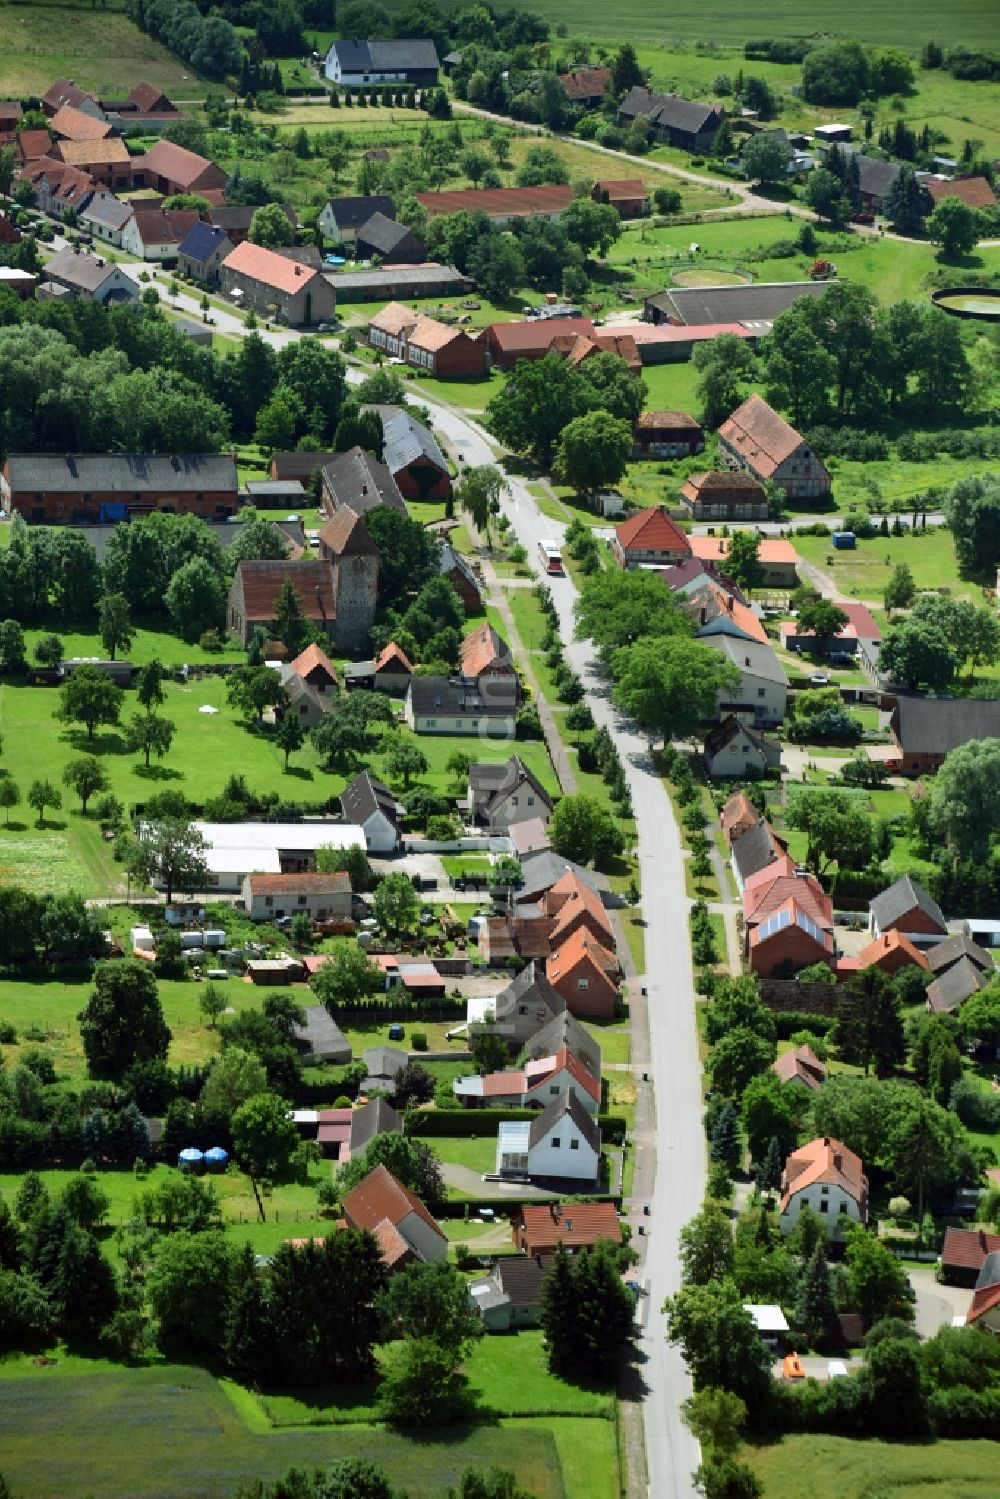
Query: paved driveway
(937,1305)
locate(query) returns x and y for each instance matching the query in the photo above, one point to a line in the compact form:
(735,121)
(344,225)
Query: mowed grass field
(838,1468)
(722,22)
(172,1432)
(99,49)
(865,571)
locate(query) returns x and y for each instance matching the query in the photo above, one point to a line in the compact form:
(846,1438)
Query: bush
(976,1108)
(418,1041)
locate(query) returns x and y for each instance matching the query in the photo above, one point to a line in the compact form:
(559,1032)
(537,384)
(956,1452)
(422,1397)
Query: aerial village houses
(322,897)
(405,1230)
(667,434)
(748,309)
(678,122)
(88,276)
(202,251)
(172,169)
(106,217)
(106,161)
(736,749)
(776,556)
(562,1143)
(357,481)
(391,241)
(500,204)
(756,439)
(585,85)
(762,692)
(928,729)
(412,60)
(340,219)
(906,907)
(411,454)
(253,595)
(369,804)
(541,1228)
(627,195)
(108,487)
(272,284)
(830,1179)
(649,539)
(427,344)
(724,495)
(156,234)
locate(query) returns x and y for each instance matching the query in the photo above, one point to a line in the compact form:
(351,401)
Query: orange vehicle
(792,1367)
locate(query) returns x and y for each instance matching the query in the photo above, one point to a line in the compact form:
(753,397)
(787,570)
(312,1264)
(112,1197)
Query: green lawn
(838,1468)
(98,49)
(478,1153)
(63,1434)
(147,645)
(614,1039)
(865,571)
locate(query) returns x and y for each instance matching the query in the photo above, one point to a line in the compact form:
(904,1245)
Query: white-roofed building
(238,849)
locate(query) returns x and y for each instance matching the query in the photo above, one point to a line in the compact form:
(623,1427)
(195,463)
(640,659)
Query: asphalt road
(672,1453)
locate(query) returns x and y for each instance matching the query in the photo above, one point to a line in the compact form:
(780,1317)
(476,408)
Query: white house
(763,686)
(412,60)
(564,1142)
(501,794)
(827,1177)
(323,897)
(371,806)
(236,849)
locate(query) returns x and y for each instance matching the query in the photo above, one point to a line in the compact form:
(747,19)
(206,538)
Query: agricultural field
(99,49)
(839,1468)
(62,1429)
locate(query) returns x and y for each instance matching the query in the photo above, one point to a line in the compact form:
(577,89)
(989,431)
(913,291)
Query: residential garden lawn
(583,160)
(614,1039)
(63,1430)
(477,1152)
(865,571)
(671,387)
(531,623)
(147,645)
(99,49)
(840,1468)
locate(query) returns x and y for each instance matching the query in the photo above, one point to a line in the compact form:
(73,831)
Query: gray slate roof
(122,473)
(384,1062)
(892,904)
(386,235)
(492,783)
(550,1117)
(351,213)
(76,268)
(405,440)
(989,1275)
(322,1037)
(406,55)
(357,479)
(933,726)
(520,1277)
(107,211)
(697,305)
(540,871)
(489,697)
(451,561)
(363,797)
(958,945)
(531,988)
(566,1030)
(874,176)
(376,1118)
(953,987)
(749,655)
(445,278)
(202,240)
(729,728)
(668,109)
(755,849)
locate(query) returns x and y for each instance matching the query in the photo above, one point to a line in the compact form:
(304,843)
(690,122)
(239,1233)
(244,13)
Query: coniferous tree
(249,1336)
(814,1305)
(559,1313)
(769,1169)
(289,625)
(725,1146)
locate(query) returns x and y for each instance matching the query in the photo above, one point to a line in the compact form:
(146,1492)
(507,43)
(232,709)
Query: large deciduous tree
(670,685)
(963,811)
(582,829)
(614,609)
(89,697)
(122,1022)
(170,852)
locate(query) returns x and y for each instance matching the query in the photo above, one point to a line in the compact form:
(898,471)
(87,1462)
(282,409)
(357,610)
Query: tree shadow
(13,827)
(100,744)
(49,824)
(300,772)
(157,773)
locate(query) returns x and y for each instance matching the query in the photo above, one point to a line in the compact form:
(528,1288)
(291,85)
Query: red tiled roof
(146,97)
(504,1084)
(311,658)
(966,1248)
(391,1242)
(824,1160)
(622,187)
(392,655)
(380,1198)
(480,648)
(585,83)
(652,530)
(580,898)
(580,947)
(299,884)
(110,152)
(262,583)
(890,942)
(164,226)
(175,163)
(575,1224)
(797,916)
(432,336)
(537,333)
(74,125)
(32,144)
(801,1062)
(499,201)
(738,812)
(262,265)
(394,318)
(672,333)
(760,435)
(762,897)
(860,624)
(975,192)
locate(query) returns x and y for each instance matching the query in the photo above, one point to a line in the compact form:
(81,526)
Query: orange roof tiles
(431,335)
(768,895)
(74,125)
(887,945)
(480,648)
(277,271)
(390,1242)
(176,163)
(311,658)
(802,1064)
(771,549)
(110,152)
(728,607)
(824,1160)
(738,812)
(299,884)
(585,83)
(394,319)
(780,865)
(580,947)
(579,899)
(392,655)
(760,435)
(652,530)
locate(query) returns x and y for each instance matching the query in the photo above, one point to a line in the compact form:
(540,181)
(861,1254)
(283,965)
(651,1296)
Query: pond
(974,302)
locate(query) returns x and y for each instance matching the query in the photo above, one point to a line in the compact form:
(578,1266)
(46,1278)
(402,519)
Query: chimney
(838,1160)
